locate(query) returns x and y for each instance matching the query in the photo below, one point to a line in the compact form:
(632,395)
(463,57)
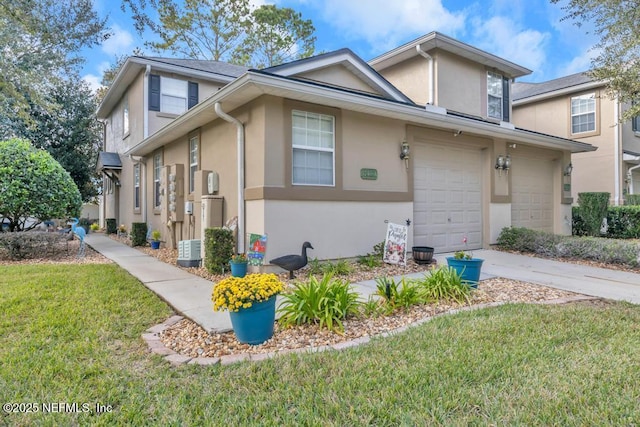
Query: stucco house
(578,107)
(329,148)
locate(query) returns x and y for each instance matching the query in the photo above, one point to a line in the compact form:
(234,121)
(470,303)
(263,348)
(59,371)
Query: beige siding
(411,78)
(339,76)
(461,85)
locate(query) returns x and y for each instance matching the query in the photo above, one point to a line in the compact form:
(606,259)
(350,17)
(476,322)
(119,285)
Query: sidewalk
(190,295)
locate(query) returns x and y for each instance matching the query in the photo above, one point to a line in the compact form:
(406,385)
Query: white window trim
(136,186)
(157,176)
(499,77)
(321,149)
(193,166)
(592,97)
(125,118)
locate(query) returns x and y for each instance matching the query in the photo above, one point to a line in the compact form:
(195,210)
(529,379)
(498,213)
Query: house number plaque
(369,174)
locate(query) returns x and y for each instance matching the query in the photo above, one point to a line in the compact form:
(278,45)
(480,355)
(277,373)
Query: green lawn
(71,334)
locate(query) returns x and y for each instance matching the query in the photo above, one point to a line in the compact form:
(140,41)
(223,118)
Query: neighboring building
(579,108)
(311,151)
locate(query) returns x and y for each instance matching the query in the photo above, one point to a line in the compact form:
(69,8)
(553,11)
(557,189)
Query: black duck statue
(292,263)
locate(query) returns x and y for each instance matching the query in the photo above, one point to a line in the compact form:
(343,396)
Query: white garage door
(447,197)
(532,193)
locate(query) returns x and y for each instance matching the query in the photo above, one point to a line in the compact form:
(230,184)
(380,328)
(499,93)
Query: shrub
(218,250)
(592,248)
(593,210)
(339,268)
(623,222)
(369,261)
(402,294)
(632,199)
(326,302)
(314,266)
(112,226)
(444,283)
(138,234)
(94,227)
(21,245)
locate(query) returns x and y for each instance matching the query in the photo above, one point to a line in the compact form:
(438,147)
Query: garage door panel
(449,202)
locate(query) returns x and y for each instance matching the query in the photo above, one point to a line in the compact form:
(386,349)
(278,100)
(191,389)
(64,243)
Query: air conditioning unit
(189,253)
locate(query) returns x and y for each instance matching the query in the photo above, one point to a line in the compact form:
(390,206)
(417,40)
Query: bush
(22,245)
(623,222)
(218,249)
(339,268)
(444,283)
(138,234)
(590,248)
(632,199)
(593,210)
(112,226)
(402,294)
(326,302)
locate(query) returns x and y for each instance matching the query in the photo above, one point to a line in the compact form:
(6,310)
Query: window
(157,173)
(583,113)
(498,96)
(193,162)
(313,141)
(125,117)
(171,96)
(136,186)
(635,124)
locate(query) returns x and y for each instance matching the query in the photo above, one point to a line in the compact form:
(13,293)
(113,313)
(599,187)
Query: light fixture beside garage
(404,152)
(568,169)
(503,163)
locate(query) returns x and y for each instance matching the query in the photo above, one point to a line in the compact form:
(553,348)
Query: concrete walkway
(190,295)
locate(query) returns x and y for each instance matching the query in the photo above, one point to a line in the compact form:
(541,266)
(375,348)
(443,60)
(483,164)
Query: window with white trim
(583,113)
(173,95)
(313,142)
(125,117)
(193,162)
(157,173)
(136,186)
(494,95)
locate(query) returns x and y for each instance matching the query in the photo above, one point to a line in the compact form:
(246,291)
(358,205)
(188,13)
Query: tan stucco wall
(411,78)
(339,76)
(461,85)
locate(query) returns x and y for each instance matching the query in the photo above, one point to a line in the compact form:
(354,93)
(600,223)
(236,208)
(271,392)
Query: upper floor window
(157,173)
(583,113)
(125,117)
(193,162)
(136,186)
(170,95)
(313,141)
(497,96)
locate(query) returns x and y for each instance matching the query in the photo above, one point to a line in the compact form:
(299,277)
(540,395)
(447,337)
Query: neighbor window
(583,113)
(313,141)
(125,117)
(497,96)
(193,162)
(136,186)
(157,173)
(635,124)
(171,96)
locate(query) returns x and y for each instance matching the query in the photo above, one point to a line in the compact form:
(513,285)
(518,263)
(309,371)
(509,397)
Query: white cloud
(579,63)
(504,38)
(93,81)
(120,41)
(385,25)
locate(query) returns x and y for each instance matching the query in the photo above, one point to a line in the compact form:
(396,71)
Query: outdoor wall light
(568,169)
(404,153)
(503,163)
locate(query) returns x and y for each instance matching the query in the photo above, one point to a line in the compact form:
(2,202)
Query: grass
(72,334)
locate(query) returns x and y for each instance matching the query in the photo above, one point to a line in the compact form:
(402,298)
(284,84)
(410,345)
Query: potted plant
(94,227)
(155,239)
(238,265)
(466,265)
(251,302)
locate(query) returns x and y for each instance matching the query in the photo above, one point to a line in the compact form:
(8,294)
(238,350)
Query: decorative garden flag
(395,245)
(257,249)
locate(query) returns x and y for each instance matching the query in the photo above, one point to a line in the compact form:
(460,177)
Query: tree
(225,30)
(33,185)
(277,35)
(40,46)
(71,133)
(618,63)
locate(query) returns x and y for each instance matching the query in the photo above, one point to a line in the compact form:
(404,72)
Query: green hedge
(138,234)
(112,226)
(593,210)
(632,199)
(218,243)
(600,249)
(623,222)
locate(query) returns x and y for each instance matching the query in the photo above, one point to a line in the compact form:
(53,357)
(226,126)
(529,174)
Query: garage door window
(313,142)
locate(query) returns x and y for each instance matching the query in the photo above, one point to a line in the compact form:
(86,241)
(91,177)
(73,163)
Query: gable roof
(438,40)
(522,92)
(200,69)
(347,59)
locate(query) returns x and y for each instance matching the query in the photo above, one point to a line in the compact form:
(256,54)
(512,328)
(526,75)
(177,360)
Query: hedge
(623,222)
(218,244)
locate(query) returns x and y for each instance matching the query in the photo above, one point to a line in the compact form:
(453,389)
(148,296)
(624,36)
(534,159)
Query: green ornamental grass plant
(444,283)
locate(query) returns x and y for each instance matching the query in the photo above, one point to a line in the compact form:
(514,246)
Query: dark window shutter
(506,99)
(154,92)
(193,94)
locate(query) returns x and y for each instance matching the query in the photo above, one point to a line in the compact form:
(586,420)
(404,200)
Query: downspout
(630,176)
(616,145)
(240,146)
(145,103)
(431,83)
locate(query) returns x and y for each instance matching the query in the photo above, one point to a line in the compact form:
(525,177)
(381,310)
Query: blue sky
(527,32)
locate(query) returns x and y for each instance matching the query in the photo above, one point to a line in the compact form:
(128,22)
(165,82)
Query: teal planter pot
(155,244)
(254,325)
(469,269)
(238,269)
